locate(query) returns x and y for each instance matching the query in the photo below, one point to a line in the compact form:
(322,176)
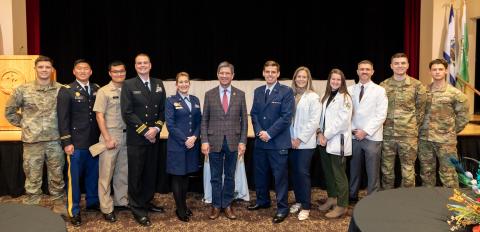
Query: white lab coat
(338,122)
(307,119)
(370,113)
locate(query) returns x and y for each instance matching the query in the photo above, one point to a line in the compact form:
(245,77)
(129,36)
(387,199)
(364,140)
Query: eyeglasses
(119,72)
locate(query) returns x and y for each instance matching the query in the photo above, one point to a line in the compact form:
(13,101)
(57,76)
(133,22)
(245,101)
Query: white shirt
(83,86)
(369,113)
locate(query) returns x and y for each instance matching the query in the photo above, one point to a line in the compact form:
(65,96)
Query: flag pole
(468,85)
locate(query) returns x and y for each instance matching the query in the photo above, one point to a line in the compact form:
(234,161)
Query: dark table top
(19,217)
(404,209)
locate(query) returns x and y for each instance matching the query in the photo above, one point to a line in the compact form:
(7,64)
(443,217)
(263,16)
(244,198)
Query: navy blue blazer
(273,116)
(182,123)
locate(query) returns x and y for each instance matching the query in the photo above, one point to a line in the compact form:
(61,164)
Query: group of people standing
(112,133)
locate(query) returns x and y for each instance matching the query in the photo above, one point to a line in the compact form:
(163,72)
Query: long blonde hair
(309,80)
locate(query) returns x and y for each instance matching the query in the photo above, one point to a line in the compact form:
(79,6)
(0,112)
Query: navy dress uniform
(142,108)
(78,126)
(272,113)
(182,121)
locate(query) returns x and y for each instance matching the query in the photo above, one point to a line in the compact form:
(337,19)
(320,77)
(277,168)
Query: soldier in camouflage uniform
(32,107)
(406,106)
(446,114)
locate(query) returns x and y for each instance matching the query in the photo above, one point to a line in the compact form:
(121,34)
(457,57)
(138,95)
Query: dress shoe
(183,218)
(92,208)
(229,213)
(76,220)
(122,207)
(154,208)
(257,207)
(279,217)
(189,212)
(110,217)
(144,221)
(336,212)
(214,213)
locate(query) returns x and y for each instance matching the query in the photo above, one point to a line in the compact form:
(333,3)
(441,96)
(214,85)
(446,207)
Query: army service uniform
(78,126)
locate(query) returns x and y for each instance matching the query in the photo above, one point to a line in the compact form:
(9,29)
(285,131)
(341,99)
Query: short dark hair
(43,58)
(115,63)
(398,55)
(81,61)
(438,61)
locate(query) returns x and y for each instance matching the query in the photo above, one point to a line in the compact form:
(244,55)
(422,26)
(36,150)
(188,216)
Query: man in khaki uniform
(32,107)
(406,108)
(446,114)
(113,161)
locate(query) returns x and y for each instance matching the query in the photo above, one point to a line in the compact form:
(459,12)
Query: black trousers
(179,190)
(142,174)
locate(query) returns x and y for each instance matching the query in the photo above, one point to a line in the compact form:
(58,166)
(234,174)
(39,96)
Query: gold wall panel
(14,71)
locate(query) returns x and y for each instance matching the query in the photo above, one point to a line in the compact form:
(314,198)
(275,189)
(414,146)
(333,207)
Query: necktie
(266,95)
(187,101)
(225,101)
(86,89)
(361,93)
(146,86)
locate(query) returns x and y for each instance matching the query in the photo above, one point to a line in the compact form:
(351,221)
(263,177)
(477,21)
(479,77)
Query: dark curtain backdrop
(412,35)
(194,36)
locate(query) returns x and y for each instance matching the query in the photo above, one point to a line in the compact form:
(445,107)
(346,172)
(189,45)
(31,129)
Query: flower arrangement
(466,210)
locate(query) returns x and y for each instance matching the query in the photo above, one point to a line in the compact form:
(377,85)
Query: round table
(404,209)
(19,217)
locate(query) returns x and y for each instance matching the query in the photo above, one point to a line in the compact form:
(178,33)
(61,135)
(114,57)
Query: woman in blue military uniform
(183,117)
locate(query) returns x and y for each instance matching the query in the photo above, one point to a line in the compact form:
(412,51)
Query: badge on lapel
(158,89)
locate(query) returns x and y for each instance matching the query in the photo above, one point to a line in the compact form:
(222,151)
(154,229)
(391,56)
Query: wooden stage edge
(472,129)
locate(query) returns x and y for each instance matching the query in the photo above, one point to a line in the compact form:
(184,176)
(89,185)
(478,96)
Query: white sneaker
(295,207)
(303,215)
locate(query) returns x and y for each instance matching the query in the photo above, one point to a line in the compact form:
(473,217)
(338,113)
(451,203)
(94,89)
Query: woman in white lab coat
(303,131)
(335,139)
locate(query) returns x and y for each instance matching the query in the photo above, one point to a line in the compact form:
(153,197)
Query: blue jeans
(223,163)
(300,160)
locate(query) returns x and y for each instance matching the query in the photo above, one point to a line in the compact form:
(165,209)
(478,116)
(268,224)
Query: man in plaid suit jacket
(224,137)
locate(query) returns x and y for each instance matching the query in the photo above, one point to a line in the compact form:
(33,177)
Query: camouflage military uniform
(33,108)
(446,114)
(406,106)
